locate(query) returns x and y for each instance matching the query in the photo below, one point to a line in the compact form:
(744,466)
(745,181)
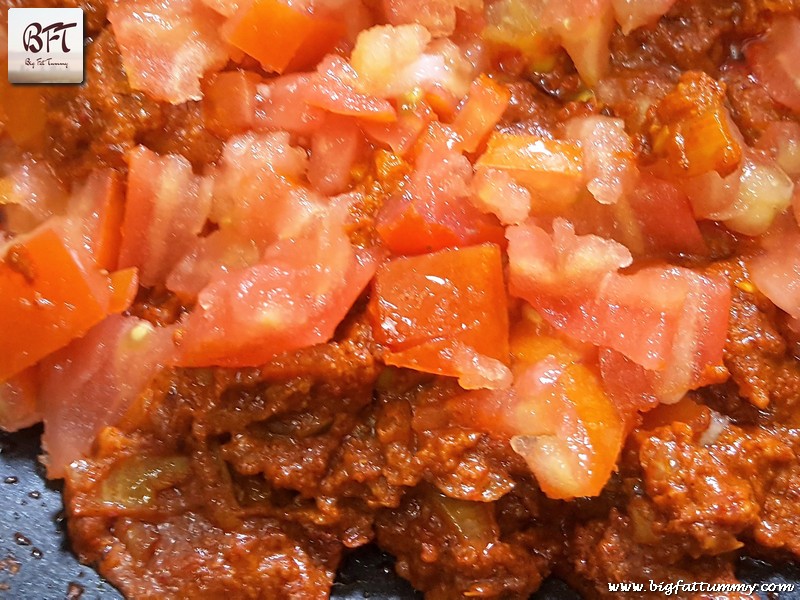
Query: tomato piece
(659,219)
(773,59)
(98,208)
(776,268)
(405,231)
(295,296)
(19,401)
(166,209)
(336,90)
(281,37)
(168,45)
(609,160)
(574,283)
(576,434)
(335,148)
(551,170)
(49,294)
(401,135)
(486,103)
(556,416)
(496,192)
(124,286)
(230,102)
(91,383)
(694,132)
(424,307)
(283,105)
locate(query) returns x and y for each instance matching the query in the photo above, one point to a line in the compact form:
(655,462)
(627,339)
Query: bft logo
(45,45)
(32,38)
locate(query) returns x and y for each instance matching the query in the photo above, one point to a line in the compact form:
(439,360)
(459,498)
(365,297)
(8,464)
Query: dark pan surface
(36,562)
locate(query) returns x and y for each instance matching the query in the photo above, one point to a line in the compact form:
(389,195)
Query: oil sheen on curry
(510,288)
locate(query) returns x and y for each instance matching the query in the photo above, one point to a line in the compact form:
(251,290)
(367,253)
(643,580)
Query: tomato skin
(422,307)
(281,37)
(50,293)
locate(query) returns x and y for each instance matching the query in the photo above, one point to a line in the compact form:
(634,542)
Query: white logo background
(54,54)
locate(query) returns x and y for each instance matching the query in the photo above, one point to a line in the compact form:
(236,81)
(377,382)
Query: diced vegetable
(608,158)
(49,294)
(295,296)
(426,312)
(281,37)
(96,210)
(496,192)
(92,382)
(168,45)
(19,404)
(694,133)
(230,103)
(773,59)
(166,209)
(550,169)
(336,89)
(486,103)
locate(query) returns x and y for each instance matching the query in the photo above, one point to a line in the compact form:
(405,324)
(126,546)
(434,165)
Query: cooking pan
(36,562)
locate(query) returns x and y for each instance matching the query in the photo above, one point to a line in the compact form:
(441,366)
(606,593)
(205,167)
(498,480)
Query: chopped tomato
(168,45)
(496,192)
(570,431)
(773,58)
(425,310)
(336,90)
(92,382)
(230,102)
(608,158)
(776,270)
(656,218)
(165,210)
(401,135)
(486,103)
(693,131)
(335,148)
(50,293)
(782,141)
(632,14)
(97,209)
(574,284)
(30,193)
(280,36)
(19,401)
(282,105)
(434,212)
(295,296)
(556,416)
(124,285)
(550,169)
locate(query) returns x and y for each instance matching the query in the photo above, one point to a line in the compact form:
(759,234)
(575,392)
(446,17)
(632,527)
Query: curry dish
(509,287)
